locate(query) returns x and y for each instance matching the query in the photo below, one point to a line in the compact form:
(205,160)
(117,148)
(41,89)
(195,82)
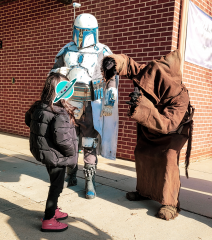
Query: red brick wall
(150,32)
(34,31)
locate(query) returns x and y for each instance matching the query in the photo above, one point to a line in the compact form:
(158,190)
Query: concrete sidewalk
(24,186)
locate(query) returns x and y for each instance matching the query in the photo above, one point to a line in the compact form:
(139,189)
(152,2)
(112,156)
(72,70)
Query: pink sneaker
(60,215)
(52,225)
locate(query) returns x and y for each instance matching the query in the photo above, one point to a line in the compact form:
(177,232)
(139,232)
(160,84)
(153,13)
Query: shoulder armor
(103,49)
(106,51)
(69,45)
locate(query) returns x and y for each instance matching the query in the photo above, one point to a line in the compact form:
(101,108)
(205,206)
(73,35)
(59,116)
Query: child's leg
(57,175)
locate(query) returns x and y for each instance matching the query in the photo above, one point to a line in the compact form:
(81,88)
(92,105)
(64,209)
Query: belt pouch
(97,89)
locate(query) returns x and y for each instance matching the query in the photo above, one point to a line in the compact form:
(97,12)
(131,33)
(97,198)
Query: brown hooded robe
(163,124)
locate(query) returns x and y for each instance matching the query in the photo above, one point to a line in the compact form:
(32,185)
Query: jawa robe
(163,124)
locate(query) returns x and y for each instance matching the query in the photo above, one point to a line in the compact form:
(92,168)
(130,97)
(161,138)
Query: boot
(52,225)
(167,212)
(89,172)
(71,177)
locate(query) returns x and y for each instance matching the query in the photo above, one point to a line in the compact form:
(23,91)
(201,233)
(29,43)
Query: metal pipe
(76,5)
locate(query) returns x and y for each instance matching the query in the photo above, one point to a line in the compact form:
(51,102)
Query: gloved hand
(134,100)
(108,68)
(107,111)
(110,98)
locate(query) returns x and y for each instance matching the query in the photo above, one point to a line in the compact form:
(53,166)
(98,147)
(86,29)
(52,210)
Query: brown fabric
(163,118)
(157,159)
(163,124)
(160,78)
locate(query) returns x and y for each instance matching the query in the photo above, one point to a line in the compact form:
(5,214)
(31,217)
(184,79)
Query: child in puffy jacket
(53,142)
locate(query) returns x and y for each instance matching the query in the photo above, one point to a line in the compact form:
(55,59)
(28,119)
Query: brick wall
(149,33)
(34,31)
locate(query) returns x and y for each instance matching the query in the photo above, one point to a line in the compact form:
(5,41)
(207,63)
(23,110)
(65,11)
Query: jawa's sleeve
(170,117)
(126,66)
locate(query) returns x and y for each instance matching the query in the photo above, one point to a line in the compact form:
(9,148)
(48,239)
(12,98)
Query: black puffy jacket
(53,139)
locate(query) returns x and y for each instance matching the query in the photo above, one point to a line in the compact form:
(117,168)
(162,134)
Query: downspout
(183,27)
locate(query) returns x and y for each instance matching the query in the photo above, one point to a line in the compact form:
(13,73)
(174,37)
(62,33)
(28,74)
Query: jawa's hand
(134,97)
(109,68)
(133,101)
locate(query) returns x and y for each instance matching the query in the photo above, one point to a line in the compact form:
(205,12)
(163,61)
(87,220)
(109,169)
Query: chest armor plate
(83,65)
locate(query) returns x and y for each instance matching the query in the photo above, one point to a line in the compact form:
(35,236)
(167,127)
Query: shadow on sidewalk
(26,224)
(196,184)
(122,167)
(13,169)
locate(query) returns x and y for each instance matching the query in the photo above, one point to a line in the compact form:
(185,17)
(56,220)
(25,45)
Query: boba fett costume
(97,113)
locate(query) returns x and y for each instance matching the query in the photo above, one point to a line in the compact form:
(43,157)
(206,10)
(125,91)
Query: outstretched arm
(120,64)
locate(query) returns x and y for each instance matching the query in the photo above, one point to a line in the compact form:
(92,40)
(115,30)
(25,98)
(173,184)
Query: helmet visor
(80,36)
(81,31)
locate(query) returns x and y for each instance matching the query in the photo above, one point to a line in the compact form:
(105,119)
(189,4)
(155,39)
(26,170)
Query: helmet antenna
(76,5)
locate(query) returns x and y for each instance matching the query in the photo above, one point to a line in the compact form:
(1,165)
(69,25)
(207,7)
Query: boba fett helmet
(85,30)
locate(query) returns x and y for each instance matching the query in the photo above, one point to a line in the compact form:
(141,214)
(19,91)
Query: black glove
(133,101)
(109,68)
(134,97)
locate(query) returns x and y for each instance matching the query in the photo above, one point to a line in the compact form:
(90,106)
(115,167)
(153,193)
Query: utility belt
(82,92)
(88,92)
